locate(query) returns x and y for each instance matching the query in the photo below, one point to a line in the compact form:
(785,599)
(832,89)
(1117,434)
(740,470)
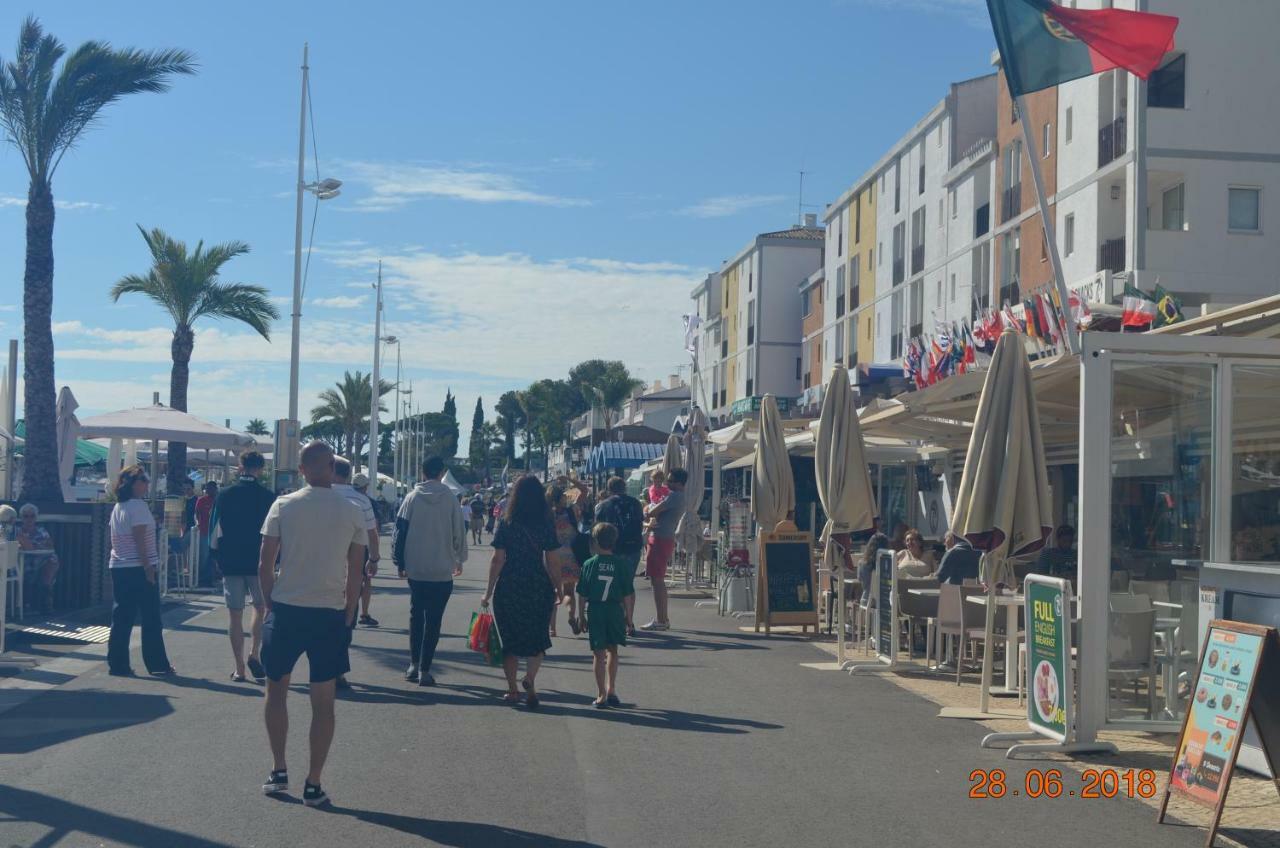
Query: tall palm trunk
(40,461)
(179,376)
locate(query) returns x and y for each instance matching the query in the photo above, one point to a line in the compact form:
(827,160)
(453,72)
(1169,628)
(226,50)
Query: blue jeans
(135,596)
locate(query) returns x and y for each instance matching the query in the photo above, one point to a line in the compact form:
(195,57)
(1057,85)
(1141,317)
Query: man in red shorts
(667,514)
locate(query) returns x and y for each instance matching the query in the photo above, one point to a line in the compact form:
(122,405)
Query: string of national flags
(954,346)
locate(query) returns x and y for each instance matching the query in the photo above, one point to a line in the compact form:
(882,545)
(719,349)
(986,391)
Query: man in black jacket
(235,534)
(960,562)
(627,514)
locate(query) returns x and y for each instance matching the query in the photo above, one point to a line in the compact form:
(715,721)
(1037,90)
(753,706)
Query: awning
(87,453)
(607,455)
(163,423)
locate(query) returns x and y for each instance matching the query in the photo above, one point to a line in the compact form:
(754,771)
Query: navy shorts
(291,631)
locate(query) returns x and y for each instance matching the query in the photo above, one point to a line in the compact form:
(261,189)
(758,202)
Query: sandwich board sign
(1238,682)
(787,581)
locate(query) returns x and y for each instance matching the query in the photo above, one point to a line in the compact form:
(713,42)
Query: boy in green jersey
(605,581)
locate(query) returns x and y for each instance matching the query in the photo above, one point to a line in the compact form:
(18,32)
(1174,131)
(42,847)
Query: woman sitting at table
(43,560)
(913,560)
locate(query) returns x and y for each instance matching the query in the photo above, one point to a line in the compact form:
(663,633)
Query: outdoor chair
(1131,652)
(1119,580)
(1125,602)
(915,609)
(1181,653)
(955,619)
(11,566)
(1156,590)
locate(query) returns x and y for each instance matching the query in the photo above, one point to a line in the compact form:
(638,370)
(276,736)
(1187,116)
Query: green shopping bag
(494,654)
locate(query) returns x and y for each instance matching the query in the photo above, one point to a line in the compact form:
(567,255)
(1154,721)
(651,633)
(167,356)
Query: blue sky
(544,181)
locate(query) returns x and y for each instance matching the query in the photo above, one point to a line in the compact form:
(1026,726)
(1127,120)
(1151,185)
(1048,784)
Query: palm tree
(185,284)
(257,427)
(348,404)
(610,390)
(44,110)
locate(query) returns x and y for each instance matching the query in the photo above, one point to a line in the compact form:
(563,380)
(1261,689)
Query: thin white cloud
(393,185)
(340,301)
(730,204)
(13,201)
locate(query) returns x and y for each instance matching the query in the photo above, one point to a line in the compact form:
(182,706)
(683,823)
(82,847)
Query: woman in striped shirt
(133,566)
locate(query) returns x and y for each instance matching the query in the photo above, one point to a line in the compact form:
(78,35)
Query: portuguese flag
(1042,44)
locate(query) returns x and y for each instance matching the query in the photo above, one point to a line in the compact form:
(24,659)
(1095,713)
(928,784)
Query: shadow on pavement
(61,716)
(65,818)
(658,719)
(458,833)
(229,688)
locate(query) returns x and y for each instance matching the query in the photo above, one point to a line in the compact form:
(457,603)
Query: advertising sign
(1049,686)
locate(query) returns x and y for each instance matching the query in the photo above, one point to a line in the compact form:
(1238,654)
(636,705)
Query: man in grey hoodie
(429,548)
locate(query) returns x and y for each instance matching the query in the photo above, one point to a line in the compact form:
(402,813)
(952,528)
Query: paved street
(725,740)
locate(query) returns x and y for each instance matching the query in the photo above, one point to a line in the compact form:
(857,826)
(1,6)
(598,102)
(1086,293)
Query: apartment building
(811,319)
(1166,182)
(758,328)
(900,243)
(706,297)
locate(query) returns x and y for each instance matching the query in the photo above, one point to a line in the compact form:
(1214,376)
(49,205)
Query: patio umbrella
(773,489)
(844,483)
(163,424)
(68,431)
(1003,506)
(671,458)
(689,531)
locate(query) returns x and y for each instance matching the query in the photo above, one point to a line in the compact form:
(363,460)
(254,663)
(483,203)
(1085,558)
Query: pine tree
(450,448)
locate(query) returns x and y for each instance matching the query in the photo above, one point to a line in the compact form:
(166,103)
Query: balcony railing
(1111,141)
(982,220)
(1010,202)
(917,259)
(1111,256)
(899,271)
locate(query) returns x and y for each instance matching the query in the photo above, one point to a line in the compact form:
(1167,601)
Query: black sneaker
(313,795)
(411,673)
(277,781)
(257,670)
(425,679)
(368,621)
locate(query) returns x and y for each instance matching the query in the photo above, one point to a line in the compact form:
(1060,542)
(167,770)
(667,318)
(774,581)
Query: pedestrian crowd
(303,563)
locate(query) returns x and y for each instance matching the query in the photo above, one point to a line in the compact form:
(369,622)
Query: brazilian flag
(1043,44)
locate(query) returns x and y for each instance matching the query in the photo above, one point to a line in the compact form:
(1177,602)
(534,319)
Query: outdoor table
(1011,604)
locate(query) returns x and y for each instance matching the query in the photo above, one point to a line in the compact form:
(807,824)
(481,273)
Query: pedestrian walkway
(725,739)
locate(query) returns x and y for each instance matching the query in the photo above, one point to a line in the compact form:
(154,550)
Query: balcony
(917,259)
(1010,202)
(1111,141)
(1111,256)
(982,220)
(899,271)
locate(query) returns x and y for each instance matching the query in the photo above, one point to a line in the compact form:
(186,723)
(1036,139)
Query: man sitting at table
(1059,559)
(960,562)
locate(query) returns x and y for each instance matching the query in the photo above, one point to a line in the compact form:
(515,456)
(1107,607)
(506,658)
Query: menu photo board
(1050,692)
(1238,682)
(787,581)
(886,596)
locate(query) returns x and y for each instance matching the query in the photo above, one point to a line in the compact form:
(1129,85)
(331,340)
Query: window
(751,278)
(855,282)
(938,293)
(840,291)
(1048,139)
(1010,263)
(751,322)
(917,310)
(980,281)
(953,288)
(954,205)
(921,188)
(899,253)
(871,253)
(805,305)
(895,325)
(1068,125)
(839,240)
(806,379)
(839,342)
(897,187)
(1172,215)
(917,240)
(1244,210)
(882,182)
(941,217)
(1167,88)
(857,220)
(1069,235)
(1044,246)
(939,135)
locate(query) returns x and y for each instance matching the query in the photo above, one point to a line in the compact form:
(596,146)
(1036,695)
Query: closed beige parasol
(773,489)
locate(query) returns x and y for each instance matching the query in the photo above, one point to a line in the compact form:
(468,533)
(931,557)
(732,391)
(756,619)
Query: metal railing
(1111,141)
(1111,256)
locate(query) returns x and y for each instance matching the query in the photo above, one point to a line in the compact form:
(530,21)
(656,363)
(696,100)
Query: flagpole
(1029,146)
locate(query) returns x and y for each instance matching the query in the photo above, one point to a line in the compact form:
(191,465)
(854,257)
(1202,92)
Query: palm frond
(242,302)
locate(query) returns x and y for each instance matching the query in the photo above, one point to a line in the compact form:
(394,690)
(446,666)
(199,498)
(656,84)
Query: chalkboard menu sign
(886,605)
(787,581)
(1238,682)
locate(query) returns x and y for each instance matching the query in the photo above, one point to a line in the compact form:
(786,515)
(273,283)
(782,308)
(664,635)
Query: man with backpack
(624,512)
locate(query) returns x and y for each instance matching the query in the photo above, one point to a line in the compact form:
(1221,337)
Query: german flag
(1043,44)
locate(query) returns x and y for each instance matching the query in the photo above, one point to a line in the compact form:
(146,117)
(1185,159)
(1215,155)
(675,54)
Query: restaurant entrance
(1179,485)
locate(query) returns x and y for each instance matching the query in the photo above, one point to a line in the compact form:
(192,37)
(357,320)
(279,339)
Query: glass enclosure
(1161,462)
(1255,464)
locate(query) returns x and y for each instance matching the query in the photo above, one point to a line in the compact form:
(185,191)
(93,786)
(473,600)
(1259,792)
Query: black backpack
(624,513)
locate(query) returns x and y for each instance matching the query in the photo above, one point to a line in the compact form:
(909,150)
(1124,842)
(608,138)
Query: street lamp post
(375,383)
(395,421)
(323,190)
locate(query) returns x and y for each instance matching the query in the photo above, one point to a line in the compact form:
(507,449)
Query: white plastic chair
(12,564)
